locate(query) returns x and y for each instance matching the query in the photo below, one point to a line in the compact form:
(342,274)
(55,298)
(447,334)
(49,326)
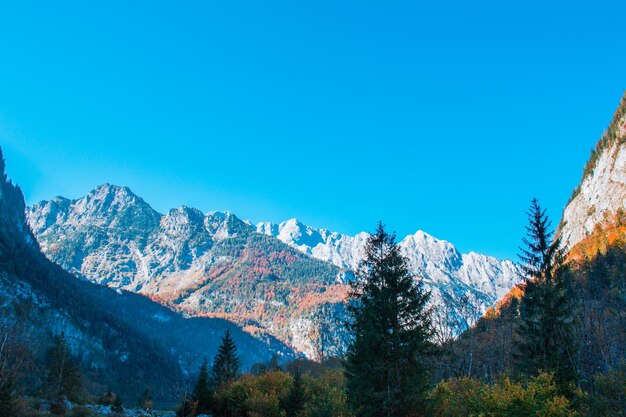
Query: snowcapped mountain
(287,280)
(211,264)
(452,276)
(601,194)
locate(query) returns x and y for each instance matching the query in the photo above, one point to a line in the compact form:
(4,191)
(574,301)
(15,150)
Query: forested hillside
(121,340)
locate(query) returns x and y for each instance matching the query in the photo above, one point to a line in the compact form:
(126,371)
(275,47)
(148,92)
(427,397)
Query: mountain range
(287,280)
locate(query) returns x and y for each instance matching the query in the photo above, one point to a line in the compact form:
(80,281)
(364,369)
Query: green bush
(608,397)
(467,397)
(80,411)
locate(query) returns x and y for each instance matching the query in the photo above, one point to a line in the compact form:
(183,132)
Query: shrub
(467,397)
(609,394)
(80,411)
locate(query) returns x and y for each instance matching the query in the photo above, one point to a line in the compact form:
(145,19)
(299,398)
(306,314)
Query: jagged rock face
(216,264)
(602,192)
(453,277)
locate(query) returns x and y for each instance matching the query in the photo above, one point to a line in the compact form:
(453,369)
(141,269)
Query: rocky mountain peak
(431,250)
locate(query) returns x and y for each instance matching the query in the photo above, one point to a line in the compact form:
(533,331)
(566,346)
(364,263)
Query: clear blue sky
(441,116)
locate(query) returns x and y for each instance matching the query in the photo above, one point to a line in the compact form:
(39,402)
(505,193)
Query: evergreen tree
(202,394)
(541,255)
(63,376)
(546,341)
(118,406)
(108,398)
(226,362)
(391,325)
(186,408)
(145,401)
(294,403)
(7,399)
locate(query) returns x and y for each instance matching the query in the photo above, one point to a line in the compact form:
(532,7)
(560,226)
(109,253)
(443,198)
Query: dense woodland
(555,346)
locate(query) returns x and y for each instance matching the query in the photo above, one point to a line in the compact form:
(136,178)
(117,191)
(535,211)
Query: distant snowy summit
(483,279)
(340,250)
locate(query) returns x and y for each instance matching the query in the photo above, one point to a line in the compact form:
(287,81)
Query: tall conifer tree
(63,376)
(391,324)
(546,341)
(202,394)
(226,362)
(294,403)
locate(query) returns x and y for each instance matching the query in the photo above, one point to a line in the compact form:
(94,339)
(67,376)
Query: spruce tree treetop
(541,255)
(546,340)
(202,391)
(226,362)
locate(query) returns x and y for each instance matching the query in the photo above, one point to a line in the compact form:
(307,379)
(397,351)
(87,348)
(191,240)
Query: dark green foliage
(63,375)
(385,370)
(260,368)
(226,362)
(7,399)
(547,341)
(294,403)
(541,256)
(108,398)
(81,411)
(145,401)
(202,393)
(58,407)
(608,397)
(118,406)
(187,407)
(600,288)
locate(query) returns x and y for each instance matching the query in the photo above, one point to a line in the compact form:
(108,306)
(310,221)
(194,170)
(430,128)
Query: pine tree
(145,401)
(546,341)
(294,403)
(202,394)
(63,377)
(186,408)
(118,406)
(7,399)
(226,362)
(386,373)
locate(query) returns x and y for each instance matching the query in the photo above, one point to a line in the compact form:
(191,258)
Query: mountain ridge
(215,264)
(422,249)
